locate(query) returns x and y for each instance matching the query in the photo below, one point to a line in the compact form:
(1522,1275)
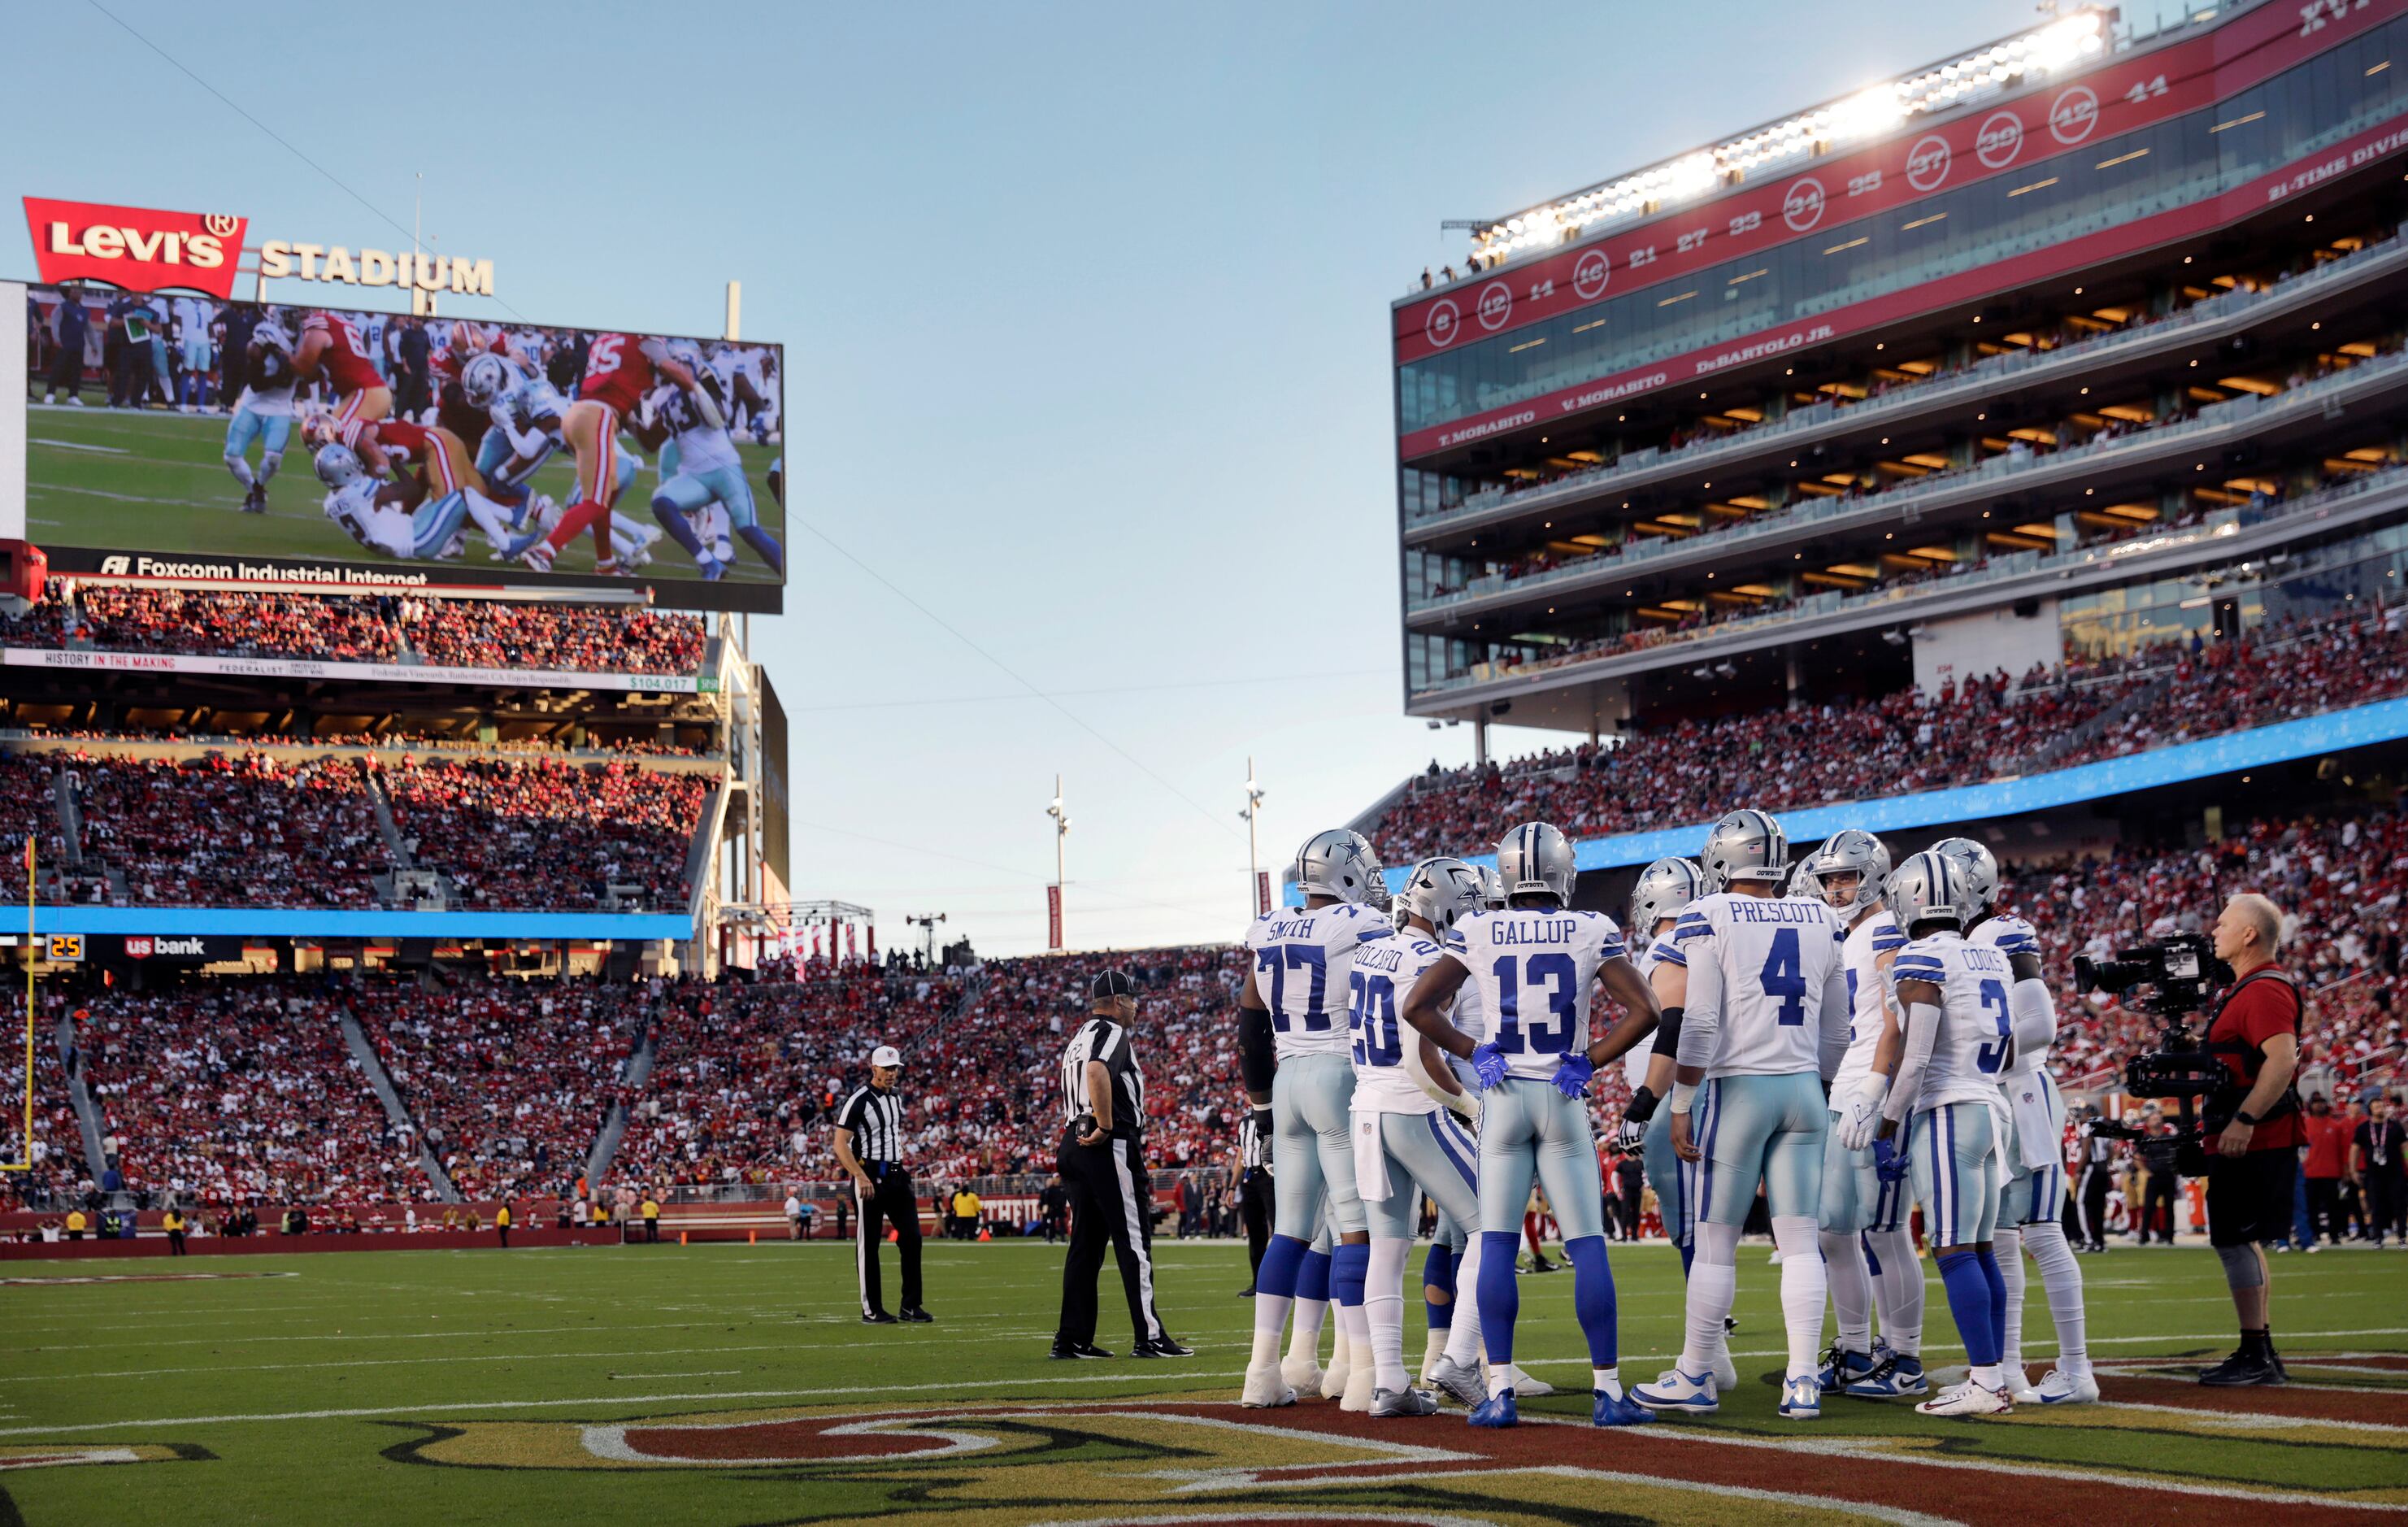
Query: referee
(870,1146)
(1102,1161)
(1255,1195)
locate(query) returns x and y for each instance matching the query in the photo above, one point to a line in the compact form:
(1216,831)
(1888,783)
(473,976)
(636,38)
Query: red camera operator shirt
(2254,1013)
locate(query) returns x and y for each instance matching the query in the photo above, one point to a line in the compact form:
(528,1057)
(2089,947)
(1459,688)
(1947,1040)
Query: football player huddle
(1835,1033)
(415,490)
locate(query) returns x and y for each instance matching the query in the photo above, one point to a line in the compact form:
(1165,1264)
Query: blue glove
(1571,1077)
(1889,1163)
(1488,1064)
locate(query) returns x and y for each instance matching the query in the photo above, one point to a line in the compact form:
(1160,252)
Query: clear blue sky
(1085,314)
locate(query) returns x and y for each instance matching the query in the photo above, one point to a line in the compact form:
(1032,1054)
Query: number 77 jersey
(1535,974)
(1304,963)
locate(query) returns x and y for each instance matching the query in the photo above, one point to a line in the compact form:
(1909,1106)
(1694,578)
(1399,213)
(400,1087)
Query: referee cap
(886,1055)
(1113,982)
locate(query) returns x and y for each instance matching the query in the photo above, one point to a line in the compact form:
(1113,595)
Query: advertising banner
(320,446)
(297,668)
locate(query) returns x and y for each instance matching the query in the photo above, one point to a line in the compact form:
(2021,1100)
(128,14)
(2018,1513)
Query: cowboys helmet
(270,333)
(1977,876)
(1927,888)
(1852,851)
(483,379)
(1438,891)
(1492,889)
(1535,859)
(1663,889)
(1802,884)
(1340,863)
(337,466)
(1745,846)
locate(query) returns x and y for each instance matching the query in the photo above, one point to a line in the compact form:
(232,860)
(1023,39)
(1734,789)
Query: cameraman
(2252,1163)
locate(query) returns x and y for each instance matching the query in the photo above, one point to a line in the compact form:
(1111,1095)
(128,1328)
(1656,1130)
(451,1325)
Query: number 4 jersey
(1768,972)
(1302,964)
(1974,1043)
(1536,972)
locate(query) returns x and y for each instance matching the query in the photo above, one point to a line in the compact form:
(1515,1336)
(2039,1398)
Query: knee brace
(2243,1268)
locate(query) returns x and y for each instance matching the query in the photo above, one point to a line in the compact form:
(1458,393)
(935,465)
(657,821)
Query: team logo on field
(2074,114)
(1802,208)
(1443,323)
(1590,274)
(1496,305)
(1927,162)
(1999,141)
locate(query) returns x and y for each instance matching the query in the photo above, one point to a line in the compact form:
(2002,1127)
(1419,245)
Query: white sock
(1463,1336)
(1987,1376)
(1305,1344)
(2006,1245)
(1606,1381)
(1353,1324)
(240,469)
(1270,1324)
(2060,1273)
(268,462)
(1435,1349)
(1852,1288)
(1897,1290)
(1713,1284)
(491,517)
(1803,1288)
(1384,1311)
(1500,1379)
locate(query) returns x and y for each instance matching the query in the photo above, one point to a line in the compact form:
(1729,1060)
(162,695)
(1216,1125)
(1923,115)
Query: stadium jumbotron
(1917,945)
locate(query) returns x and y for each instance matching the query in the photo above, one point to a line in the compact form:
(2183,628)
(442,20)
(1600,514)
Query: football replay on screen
(168,431)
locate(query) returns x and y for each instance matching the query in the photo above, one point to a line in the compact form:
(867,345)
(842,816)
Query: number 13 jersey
(1536,974)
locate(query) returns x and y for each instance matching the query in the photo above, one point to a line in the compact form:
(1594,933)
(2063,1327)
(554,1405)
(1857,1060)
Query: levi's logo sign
(137,248)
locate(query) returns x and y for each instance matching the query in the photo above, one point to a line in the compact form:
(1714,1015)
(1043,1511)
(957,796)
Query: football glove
(1860,1112)
(1631,1135)
(1571,1077)
(1643,1106)
(1488,1063)
(1889,1163)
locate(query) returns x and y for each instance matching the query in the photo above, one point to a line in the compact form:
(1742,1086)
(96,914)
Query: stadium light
(2063,43)
(1060,815)
(1254,809)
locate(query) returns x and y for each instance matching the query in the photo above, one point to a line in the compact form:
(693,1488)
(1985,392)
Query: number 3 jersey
(1767,973)
(1973,1043)
(1303,961)
(1535,972)
(1383,976)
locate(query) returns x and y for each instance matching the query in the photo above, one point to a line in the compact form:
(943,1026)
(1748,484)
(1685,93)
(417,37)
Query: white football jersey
(1302,963)
(1383,976)
(1868,991)
(1536,972)
(1769,967)
(2011,935)
(1635,1059)
(1468,1019)
(1975,1042)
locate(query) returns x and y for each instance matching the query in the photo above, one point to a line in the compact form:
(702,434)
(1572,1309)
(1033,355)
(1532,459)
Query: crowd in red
(230,829)
(545,833)
(1902,743)
(363,628)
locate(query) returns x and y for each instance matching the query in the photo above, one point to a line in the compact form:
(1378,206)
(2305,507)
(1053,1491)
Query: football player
(1407,1140)
(1960,1040)
(620,368)
(1536,965)
(521,422)
(2031,1205)
(332,349)
(264,412)
(1663,889)
(1859,1211)
(1766,1023)
(1295,996)
(699,468)
(435,501)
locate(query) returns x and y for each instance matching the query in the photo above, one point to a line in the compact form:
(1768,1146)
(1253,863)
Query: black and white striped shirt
(1108,1044)
(876,1120)
(1253,1146)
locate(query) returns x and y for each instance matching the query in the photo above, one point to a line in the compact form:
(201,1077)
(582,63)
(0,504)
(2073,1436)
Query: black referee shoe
(915,1316)
(879,1318)
(1161,1346)
(1067,1351)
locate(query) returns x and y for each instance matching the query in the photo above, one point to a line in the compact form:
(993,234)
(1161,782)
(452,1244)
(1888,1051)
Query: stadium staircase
(634,1072)
(2045,756)
(70,819)
(87,1112)
(396,1113)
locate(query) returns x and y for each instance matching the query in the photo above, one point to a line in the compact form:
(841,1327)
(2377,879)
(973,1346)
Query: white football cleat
(1265,1389)
(2059,1387)
(1693,1393)
(1302,1375)
(1527,1387)
(1362,1387)
(2019,1385)
(1801,1398)
(1340,1369)
(1967,1399)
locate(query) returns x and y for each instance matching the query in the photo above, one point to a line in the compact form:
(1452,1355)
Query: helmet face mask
(1852,868)
(483,379)
(1535,859)
(1492,889)
(336,466)
(1663,888)
(1746,844)
(1441,892)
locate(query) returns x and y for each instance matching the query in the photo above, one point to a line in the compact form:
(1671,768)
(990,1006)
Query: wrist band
(1681,1093)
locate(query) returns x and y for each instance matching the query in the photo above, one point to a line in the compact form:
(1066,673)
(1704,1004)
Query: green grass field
(734,1384)
(157,481)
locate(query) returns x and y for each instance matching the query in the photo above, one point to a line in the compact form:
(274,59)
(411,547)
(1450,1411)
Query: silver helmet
(1492,889)
(1379,895)
(1535,859)
(337,466)
(1977,876)
(1745,846)
(1439,892)
(1802,884)
(1927,888)
(1852,851)
(1663,889)
(1340,863)
(484,378)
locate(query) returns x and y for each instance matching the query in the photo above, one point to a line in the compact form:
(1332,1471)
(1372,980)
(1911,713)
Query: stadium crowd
(230,829)
(534,832)
(362,628)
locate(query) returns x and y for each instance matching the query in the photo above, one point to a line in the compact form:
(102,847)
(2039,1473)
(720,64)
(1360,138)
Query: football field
(156,482)
(734,1384)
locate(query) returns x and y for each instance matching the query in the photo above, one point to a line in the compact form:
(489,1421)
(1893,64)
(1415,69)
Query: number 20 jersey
(1383,976)
(1974,1043)
(1303,964)
(1535,974)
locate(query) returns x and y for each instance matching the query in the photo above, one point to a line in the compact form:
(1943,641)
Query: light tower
(1255,890)
(1061,816)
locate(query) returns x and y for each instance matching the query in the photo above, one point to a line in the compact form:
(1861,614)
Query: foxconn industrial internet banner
(330,447)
